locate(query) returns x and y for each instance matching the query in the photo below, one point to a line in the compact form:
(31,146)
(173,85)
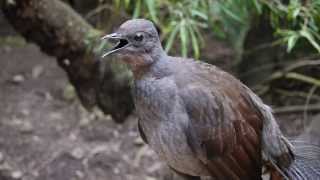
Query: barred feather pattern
(306,165)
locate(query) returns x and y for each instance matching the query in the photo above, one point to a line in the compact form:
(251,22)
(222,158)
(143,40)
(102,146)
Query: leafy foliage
(295,20)
(228,19)
(179,19)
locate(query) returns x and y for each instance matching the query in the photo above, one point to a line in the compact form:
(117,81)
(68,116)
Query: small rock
(138,141)
(25,112)
(55,116)
(98,113)
(69,93)
(116,133)
(35,173)
(108,117)
(150,178)
(116,170)
(48,96)
(18,78)
(1,157)
(84,122)
(11,2)
(73,136)
(66,62)
(16,174)
(77,153)
(26,127)
(79,174)
(36,138)
(37,71)
(155,167)
(5,167)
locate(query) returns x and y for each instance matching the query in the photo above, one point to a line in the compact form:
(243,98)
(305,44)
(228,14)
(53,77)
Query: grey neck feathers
(161,63)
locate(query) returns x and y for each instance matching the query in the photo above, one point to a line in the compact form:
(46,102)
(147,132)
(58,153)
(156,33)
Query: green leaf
(151,5)
(137,9)
(296,12)
(305,33)
(195,43)
(292,40)
(293,11)
(117,4)
(127,3)
(230,13)
(275,20)
(184,39)
(199,14)
(285,32)
(171,38)
(258,6)
(218,31)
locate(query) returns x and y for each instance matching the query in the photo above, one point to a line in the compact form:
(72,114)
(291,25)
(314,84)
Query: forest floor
(45,134)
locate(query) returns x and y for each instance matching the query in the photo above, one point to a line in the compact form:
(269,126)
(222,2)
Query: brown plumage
(199,119)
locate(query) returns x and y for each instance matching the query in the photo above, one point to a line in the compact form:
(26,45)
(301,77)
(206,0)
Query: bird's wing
(229,124)
(223,132)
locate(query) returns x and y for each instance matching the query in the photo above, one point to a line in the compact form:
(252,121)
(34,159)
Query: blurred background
(66,116)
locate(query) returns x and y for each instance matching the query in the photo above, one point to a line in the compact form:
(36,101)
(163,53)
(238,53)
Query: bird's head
(137,42)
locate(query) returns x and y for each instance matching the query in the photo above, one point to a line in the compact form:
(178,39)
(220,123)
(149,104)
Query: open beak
(120,42)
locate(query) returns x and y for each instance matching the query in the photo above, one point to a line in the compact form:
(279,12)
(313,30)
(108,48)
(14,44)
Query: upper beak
(111,36)
(121,42)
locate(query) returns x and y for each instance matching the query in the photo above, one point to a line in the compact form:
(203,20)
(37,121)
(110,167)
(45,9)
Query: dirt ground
(45,134)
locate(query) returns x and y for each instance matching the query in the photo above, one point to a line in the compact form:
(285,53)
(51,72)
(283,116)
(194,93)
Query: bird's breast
(163,120)
(170,143)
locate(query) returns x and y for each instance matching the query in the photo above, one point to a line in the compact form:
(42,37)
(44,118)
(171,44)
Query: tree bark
(60,32)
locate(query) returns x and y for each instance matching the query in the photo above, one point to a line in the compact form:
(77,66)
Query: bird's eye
(138,37)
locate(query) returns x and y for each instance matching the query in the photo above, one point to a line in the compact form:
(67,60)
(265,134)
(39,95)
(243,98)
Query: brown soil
(46,136)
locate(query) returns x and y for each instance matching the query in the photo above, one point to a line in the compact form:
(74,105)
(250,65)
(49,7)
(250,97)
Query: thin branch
(302,63)
(289,67)
(291,75)
(263,46)
(101,8)
(303,78)
(296,109)
(306,106)
(297,94)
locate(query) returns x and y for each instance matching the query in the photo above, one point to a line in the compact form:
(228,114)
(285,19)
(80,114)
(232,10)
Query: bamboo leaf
(151,5)
(137,9)
(184,39)
(199,14)
(231,14)
(195,43)
(258,6)
(117,4)
(305,33)
(171,38)
(292,40)
(127,3)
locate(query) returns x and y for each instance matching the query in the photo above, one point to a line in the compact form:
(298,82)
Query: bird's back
(222,118)
(212,111)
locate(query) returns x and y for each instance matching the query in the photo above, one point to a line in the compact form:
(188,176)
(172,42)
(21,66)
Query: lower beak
(117,38)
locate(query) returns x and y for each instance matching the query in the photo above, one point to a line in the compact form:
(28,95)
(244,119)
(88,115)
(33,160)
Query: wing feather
(226,139)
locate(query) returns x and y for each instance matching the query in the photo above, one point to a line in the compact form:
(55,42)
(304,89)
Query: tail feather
(306,165)
(304,169)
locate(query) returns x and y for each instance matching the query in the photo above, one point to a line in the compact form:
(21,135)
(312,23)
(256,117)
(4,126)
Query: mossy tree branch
(60,32)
